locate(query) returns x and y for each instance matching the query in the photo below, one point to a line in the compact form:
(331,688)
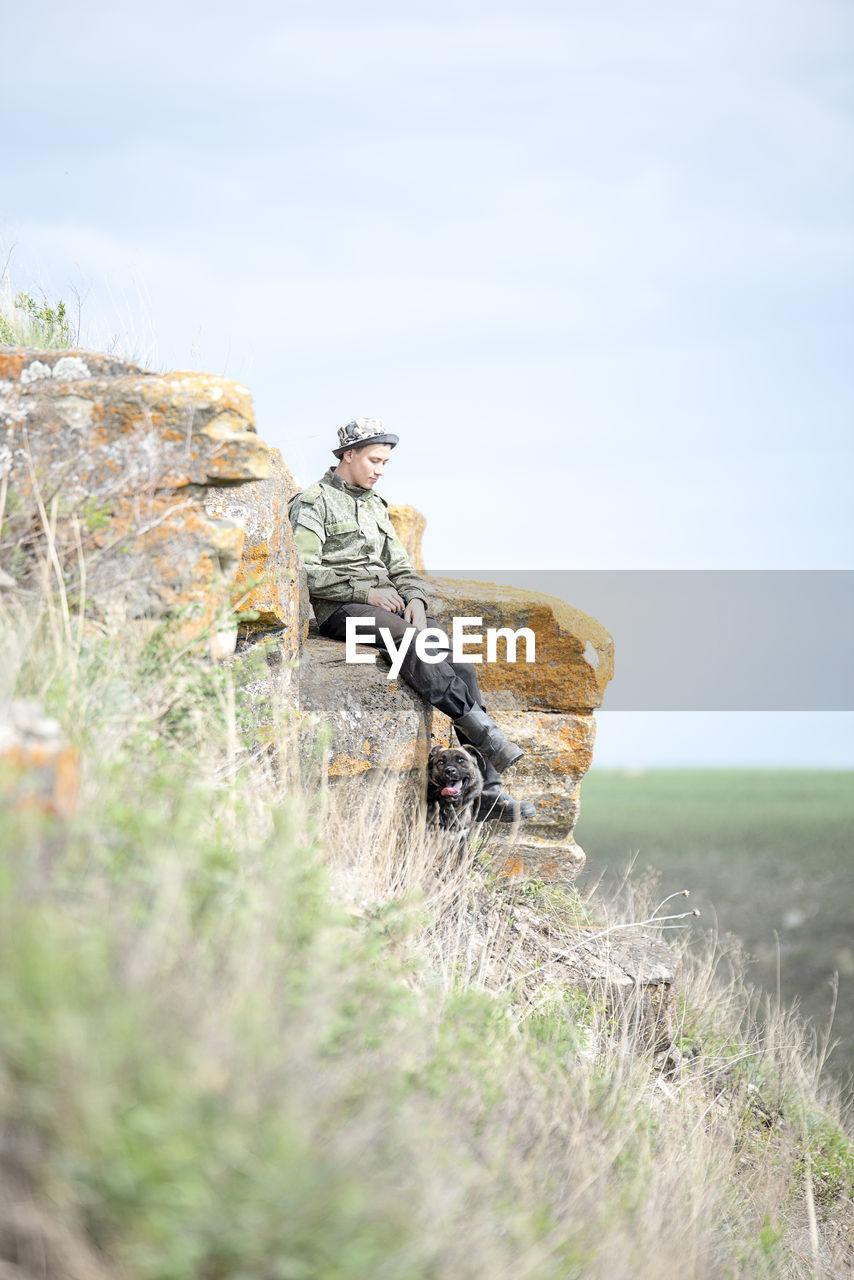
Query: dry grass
(29,322)
(253,1028)
(700,1161)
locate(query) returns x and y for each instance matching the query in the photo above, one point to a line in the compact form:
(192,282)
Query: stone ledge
(575,654)
(521,853)
(376,723)
(123,458)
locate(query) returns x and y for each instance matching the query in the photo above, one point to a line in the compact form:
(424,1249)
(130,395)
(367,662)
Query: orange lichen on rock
(556,862)
(574,653)
(343,766)
(546,707)
(11,362)
(122,459)
(269,572)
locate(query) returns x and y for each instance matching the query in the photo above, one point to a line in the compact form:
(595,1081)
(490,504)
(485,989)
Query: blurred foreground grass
(768,856)
(251,1030)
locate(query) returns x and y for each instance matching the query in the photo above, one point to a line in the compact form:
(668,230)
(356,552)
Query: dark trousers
(450,686)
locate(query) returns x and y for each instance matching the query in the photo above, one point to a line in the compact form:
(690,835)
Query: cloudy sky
(592,262)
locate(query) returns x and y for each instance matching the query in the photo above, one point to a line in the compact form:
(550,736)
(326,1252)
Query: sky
(592,262)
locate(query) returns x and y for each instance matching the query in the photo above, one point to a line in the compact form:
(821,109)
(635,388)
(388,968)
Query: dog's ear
(435,752)
(477,756)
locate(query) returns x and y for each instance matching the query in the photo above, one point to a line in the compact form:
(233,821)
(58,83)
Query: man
(358,568)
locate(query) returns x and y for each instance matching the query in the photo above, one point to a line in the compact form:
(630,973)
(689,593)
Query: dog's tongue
(454,790)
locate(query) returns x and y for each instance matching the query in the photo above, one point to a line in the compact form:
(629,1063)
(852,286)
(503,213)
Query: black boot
(485,734)
(497,805)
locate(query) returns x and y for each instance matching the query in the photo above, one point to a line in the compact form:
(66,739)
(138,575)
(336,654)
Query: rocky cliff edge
(157,499)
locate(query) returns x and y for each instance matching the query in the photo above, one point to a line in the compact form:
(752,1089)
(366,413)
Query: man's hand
(387,598)
(416,613)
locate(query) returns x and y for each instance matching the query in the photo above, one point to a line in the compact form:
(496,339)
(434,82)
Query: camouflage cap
(362,431)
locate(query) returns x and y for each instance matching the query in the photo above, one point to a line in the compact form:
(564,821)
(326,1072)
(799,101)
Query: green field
(767,856)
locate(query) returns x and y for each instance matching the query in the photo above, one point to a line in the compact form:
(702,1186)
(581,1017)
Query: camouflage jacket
(348,545)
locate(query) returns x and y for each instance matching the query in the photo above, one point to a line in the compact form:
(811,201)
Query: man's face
(364,467)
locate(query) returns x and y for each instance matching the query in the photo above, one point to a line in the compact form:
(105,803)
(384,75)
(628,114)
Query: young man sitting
(358,568)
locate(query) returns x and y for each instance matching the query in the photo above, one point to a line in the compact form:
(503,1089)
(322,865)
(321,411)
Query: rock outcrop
(409,525)
(377,724)
(151,496)
(630,974)
(269,579)
(112,465)
(380,728)
(546,706)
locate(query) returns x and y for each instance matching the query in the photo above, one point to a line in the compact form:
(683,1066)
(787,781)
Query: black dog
(454,784)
